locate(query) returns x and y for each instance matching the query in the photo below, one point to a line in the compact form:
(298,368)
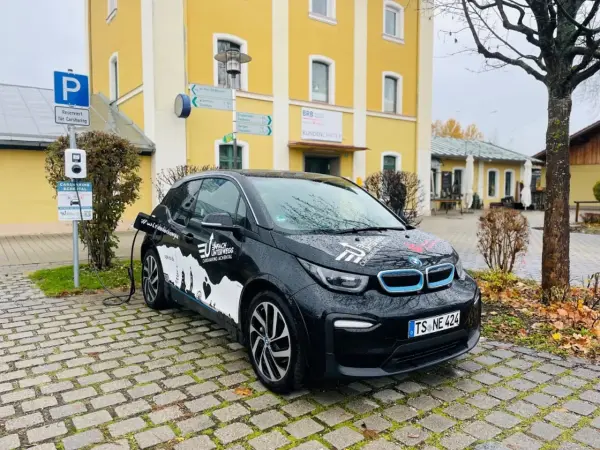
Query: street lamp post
(233,60)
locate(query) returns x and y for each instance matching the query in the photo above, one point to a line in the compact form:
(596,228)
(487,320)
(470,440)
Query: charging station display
(70,200)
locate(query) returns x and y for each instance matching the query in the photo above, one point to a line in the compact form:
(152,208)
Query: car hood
(369,252)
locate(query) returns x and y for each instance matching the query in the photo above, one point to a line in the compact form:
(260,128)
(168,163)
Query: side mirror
(220,221)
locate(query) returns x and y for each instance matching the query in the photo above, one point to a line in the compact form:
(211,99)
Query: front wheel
(153,281)
(275,351)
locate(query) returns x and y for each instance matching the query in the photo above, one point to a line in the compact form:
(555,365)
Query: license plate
(430,325)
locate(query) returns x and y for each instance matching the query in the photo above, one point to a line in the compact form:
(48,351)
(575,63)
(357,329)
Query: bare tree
(402,192)
(166,177)
(558,43)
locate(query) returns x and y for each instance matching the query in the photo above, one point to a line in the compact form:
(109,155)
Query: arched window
(509,183)
(393,21)
(492,183)
(322,79)
(113,77)
(391,161)
(221,43)
(224,157)
(392,92)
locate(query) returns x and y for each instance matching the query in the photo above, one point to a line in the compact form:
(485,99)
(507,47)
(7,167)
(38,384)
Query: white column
(360,88)
(281,84)
(425,98)
(480,180)
(163,67)
(438,182)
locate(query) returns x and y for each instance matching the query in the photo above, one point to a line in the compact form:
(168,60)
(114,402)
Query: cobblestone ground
(76,374)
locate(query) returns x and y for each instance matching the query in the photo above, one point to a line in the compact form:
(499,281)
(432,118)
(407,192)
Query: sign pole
(73,144)
(235,149)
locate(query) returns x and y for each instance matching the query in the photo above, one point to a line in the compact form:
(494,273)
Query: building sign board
(70,200)
(321,125)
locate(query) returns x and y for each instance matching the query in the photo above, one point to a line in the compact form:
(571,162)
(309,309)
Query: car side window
(180,201)
(217,195)
(241,217)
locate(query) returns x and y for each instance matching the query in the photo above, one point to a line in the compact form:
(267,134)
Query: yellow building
(348,84)
(497,172)
(584,156)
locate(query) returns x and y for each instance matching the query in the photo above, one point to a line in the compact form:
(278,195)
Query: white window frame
(398,157)
(399,10)
(399,89)
(330,18)
(487,183)
(512,183)
(114,83)
(243,48)
(331,63)
(111,6)
(245,152)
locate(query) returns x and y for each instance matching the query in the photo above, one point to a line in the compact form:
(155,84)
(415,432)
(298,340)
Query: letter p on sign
(71,89)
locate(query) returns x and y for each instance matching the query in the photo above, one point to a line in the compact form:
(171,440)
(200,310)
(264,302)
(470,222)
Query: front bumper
(385,349)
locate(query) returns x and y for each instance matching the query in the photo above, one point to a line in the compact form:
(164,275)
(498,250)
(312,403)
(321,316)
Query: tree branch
(581,27)
(585,74)
(520,26)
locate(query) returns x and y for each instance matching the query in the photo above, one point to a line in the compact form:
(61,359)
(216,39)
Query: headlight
(338,281)
(460,271)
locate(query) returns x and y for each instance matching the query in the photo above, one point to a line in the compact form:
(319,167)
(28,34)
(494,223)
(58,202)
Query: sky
(508,105)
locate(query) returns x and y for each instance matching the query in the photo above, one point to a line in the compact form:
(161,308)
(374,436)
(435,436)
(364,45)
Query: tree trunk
(555,254)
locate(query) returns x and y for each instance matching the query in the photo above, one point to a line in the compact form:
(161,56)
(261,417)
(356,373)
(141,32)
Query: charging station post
(73,144)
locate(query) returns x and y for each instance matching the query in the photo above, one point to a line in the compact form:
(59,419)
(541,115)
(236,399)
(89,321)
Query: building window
(226,157)
(322,79)
(393,21)
(492,183)
(226,80)
(457,183)
(390,95)
(323,10)
(113,77)
(508,183)
(391,161)
(221,43)
(112,10)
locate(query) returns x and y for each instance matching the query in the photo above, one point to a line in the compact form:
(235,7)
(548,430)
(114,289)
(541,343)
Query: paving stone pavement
(76,374)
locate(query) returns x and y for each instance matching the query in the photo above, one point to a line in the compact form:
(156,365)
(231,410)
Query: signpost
(260,124)
(212,103)
(211,97)
(72,116)
(73,91)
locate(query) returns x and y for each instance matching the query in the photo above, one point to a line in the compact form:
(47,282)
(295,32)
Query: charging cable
(114,299)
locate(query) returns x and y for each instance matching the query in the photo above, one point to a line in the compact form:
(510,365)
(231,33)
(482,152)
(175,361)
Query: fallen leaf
(523,332)
(243,391)
(414,436)
(557,336)
(558,325)
(562,312)
(370,434)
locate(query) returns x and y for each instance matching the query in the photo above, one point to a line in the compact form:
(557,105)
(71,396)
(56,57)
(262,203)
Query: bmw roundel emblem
(415,261)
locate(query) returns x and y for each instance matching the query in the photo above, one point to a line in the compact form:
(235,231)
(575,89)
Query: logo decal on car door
(213,251)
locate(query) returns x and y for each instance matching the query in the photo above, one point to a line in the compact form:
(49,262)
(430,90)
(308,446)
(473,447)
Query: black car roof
(238,174)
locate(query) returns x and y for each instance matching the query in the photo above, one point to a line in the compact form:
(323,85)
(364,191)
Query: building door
(319,164)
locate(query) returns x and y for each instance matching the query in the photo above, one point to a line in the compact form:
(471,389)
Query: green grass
(58,282)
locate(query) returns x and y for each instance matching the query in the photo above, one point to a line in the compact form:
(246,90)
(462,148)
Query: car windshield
(301,205)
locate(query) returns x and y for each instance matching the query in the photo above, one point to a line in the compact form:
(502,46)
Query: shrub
(166,178)
(503,234)
(400,191)
(112,166)
(497,280)
(476,201)
(590,218)
(597,191)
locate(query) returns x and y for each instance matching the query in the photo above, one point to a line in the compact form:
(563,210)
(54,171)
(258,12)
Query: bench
(451,201)
(577,208)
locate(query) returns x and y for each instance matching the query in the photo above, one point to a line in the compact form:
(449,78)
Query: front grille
(438,276)
(401,280)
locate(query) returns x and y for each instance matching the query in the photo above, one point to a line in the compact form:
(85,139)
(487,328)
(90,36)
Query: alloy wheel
(270,342)
(150,278)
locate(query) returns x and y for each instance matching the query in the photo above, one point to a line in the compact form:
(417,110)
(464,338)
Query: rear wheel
(153,281)
(273,345)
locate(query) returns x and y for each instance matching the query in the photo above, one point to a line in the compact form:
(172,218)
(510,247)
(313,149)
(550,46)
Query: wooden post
(576,212)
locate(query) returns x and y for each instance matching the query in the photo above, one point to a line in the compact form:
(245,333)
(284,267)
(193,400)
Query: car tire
(153,281)
(267,348)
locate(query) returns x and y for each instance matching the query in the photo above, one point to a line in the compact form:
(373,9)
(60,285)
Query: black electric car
(314,275)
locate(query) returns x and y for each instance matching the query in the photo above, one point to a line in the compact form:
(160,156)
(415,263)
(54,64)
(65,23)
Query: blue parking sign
(71,89)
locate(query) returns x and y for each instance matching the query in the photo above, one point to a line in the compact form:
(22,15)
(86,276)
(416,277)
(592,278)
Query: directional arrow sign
(254,119)
(228,138)
(212,103)
(200,90)
(262,130)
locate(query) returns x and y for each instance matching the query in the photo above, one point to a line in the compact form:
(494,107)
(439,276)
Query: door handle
(189,237)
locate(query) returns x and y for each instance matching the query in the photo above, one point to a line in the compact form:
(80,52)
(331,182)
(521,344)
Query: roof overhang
(327,146)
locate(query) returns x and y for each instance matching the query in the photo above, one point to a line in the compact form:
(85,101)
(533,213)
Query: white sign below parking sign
(70,200)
